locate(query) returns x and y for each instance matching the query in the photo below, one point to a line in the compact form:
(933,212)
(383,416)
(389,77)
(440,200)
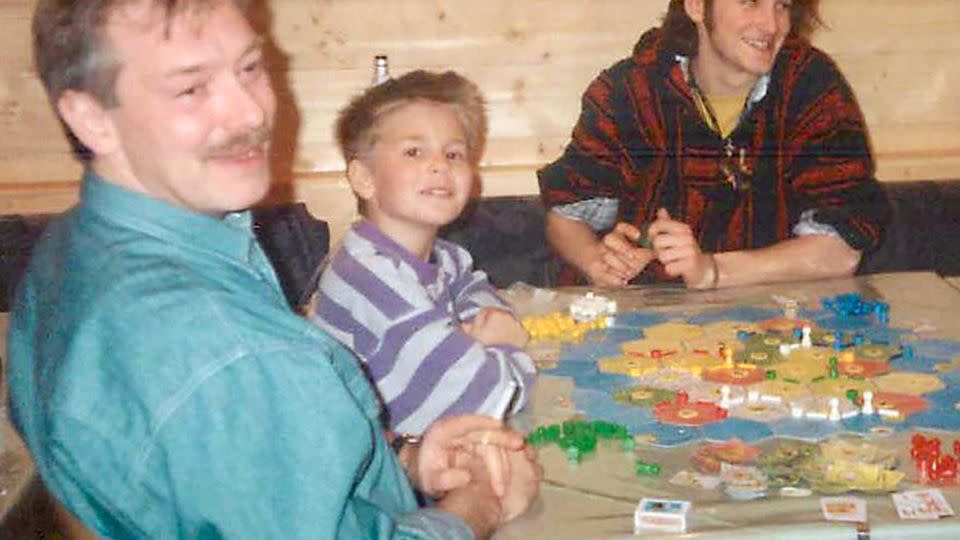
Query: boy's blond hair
(358,123)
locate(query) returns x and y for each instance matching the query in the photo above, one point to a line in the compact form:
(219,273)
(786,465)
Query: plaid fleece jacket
(641,139)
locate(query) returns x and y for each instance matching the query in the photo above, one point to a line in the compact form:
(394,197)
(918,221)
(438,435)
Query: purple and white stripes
(399,315)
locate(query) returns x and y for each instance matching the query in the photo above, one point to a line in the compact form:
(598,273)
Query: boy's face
(418,177)
(195,110)
(741,37)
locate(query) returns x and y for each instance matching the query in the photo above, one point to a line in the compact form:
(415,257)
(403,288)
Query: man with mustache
(163,386)
(725,151)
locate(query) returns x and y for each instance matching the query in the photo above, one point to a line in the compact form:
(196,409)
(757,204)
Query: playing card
(852,509)
(922,504)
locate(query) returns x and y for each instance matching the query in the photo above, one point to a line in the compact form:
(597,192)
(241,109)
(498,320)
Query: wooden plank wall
(532,58)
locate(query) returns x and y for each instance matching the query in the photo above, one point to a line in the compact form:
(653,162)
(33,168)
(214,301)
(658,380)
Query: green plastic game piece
(852,395)
(552,433)
(644,239)
(834,373)
(771,374)
(628,444)
(645,469)
(574,455)
(535,437)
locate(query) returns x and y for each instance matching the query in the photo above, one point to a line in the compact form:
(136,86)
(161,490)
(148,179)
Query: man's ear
(696,10)
(88,120)
(361,179)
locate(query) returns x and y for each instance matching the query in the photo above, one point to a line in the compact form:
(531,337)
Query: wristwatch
(402,439)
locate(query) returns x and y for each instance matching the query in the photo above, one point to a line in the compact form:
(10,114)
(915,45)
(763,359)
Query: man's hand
(675,247)
(523,474)
(617,259)
(494,326)
(440,463)
(523,484)
(474,501)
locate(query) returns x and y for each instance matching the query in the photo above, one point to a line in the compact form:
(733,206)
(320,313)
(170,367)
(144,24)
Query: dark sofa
(505,236)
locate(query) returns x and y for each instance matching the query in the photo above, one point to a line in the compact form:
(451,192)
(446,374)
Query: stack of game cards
(922,504)
(661,515)
(849,509)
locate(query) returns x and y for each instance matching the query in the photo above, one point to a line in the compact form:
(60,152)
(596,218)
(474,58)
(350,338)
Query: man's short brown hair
(358,122)
(680,33)
(71,53)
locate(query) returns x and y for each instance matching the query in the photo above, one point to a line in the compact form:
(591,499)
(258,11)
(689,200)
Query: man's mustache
(240,143)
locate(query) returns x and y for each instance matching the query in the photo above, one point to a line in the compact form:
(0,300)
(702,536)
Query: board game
(773,369)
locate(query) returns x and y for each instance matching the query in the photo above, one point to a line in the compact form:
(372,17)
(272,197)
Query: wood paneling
(532,58)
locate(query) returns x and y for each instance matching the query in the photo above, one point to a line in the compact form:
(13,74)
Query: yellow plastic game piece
(559,326)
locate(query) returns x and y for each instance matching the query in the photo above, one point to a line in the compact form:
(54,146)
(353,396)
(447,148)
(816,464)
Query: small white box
(661,515)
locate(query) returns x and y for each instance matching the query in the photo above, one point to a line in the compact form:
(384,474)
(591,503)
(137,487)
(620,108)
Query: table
(16,468)
(597,498)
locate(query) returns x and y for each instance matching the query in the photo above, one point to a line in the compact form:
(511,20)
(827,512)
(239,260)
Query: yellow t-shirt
(727,109)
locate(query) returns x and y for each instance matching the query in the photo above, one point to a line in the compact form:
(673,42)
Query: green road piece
(644,469)
(791,381)
(771,374)
(818,379)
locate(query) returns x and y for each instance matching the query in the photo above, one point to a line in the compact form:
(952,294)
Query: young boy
(434,336)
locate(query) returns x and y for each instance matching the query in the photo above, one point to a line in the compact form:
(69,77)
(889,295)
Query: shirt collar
(232,236)
(757,93)
(426,271)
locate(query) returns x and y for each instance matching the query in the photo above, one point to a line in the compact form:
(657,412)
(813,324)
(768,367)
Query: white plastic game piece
(770,398)
(790,309)
(753,396)
(796,411)
(806,342)
(725,397)
(867,402)
(834,415)
(888,413)
(816,415)
(588,307)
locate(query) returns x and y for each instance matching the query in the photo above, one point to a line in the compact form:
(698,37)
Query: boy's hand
(618,259)
(494,326)
(678,250)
